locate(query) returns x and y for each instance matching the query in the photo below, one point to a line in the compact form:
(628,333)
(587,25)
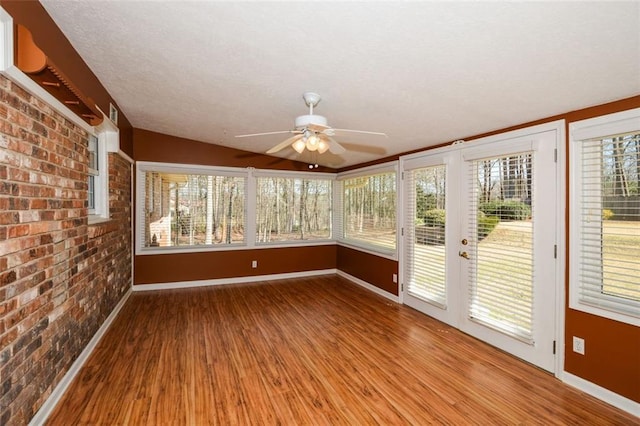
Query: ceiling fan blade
(335,147)
(367,149)
(284,144)
(317,127)
(361,131)
(267,133)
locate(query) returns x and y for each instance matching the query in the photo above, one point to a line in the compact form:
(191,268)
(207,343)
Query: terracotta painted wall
(166,268)
(152,146)
(370,268)
(46,34)
(612,349)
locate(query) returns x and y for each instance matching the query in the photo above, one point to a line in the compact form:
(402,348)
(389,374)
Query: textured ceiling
(423,72)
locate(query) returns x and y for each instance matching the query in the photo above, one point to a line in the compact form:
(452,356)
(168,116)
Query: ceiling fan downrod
(311,99)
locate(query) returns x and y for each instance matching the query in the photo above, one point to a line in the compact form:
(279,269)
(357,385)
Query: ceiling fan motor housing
(308,120)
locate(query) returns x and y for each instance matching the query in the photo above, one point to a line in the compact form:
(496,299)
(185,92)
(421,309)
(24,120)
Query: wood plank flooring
(314,351)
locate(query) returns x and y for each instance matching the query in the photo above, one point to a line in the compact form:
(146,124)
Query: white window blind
(609,223)
(501,244)
(425,236)
(182,209)
(369,211)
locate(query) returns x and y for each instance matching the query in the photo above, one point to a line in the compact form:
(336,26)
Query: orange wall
(370,268)
(166,268)
(612,349)
(55,45)
(152,146)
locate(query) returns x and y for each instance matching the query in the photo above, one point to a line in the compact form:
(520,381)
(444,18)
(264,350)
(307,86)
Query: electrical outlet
(254,263)
(578,345)
(395,278)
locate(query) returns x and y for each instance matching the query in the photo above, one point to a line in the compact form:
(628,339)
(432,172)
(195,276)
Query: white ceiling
(423,72)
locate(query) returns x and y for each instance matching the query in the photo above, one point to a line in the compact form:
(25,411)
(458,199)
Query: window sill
(100,226)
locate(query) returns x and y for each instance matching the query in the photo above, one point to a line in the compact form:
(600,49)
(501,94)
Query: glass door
(479,242)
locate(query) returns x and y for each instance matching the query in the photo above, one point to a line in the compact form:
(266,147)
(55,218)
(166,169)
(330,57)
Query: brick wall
(59,277)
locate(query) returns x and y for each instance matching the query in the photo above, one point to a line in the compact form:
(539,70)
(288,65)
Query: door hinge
(402,232)
(402,176)
(554,347)
(555,251)
(402,287)
(555,155)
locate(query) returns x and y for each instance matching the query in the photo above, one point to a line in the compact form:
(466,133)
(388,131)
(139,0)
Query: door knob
(464,242)
(463,254)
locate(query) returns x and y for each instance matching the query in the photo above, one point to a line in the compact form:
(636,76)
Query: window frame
(142,167)
(579,131)
(93,171)
(285,174)
(250,174)
(107,140)
(389,167)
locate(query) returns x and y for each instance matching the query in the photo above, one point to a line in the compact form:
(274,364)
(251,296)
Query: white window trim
(108,141)
(598,127)
(338,217)
(287,174)
(250,175)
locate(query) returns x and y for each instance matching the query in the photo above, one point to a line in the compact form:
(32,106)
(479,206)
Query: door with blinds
(479,247)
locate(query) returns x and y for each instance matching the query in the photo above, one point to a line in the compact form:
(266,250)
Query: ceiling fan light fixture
(322,147)
(299,146)
(312,143)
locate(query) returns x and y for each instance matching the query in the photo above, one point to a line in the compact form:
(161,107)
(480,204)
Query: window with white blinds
(189,209)
(501,244)
(367,208)
(425,234)
(605,216)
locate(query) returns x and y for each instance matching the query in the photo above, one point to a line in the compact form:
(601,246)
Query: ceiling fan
(311,132)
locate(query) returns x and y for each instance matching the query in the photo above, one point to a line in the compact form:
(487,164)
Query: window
(94,171)
(425,232)
(98,177)
(605,216)
(193,208)
(292,209)
(183,208)
(368,209)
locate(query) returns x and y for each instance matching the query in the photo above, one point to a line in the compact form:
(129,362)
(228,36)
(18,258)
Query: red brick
(47,256)
(18,231)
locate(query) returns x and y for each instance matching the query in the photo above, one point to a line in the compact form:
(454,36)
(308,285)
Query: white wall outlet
(395,278)
(254,263)
(578,345)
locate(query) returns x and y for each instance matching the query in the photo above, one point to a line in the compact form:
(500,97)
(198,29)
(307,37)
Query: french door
(479,241)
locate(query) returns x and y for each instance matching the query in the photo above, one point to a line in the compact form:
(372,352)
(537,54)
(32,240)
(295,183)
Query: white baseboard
(51,402)
(601,393)
(368,286)
(225,281)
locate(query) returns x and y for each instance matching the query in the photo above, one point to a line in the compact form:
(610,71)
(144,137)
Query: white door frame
(560,134)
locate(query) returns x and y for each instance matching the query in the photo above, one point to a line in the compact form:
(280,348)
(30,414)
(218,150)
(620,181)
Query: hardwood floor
(310,351)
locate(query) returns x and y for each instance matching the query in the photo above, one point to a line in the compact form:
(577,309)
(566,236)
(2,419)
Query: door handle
(463,254)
